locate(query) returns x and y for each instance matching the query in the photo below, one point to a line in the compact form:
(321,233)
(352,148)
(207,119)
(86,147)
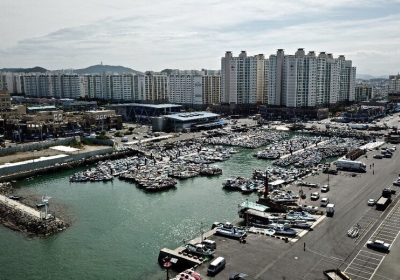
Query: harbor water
(118,229)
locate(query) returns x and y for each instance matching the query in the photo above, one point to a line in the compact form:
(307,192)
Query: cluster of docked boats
(288,175)
(242,184)
(280,223)
(248,139)
(180,162)
(313,155)
(287,146)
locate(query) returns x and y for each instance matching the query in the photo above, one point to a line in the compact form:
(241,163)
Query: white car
(309,208)
(314,196)
(371,202)
(325,188)
(324,201)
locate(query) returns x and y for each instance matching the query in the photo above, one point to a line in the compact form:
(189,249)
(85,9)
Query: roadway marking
(358,276)
(384,230)
(363,266)
(372,253)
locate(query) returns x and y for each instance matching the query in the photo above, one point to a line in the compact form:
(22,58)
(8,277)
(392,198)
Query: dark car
(15,197)
(378,245)
(238,276)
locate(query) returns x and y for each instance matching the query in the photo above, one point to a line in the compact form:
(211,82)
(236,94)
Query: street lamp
(167,265)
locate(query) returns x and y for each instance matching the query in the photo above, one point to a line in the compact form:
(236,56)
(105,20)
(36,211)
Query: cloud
(153,35)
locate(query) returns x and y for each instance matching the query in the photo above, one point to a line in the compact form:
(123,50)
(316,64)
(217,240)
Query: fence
(31,165)
(105,142)
(36,146)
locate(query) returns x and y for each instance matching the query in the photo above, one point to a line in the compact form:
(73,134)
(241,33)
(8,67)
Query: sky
(194,34)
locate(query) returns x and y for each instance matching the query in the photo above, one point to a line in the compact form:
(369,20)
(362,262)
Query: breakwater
(23,218)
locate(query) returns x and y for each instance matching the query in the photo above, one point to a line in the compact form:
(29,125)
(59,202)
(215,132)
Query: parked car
(378,156)
(314,196)
(324,201)
(388,155)
(371,202)
(378,245)
(216,266)
(238,276)
(309,208)
(325,188)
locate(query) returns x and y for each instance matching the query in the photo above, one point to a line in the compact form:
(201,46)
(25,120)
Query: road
(328,246)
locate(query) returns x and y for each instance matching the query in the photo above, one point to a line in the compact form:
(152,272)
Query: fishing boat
(199,249)
(301,224)
(188,274)
(162,185)
(282,230)
(229,230)
(300,216)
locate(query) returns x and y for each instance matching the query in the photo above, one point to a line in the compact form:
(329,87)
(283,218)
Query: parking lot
(255,255)
(365,264)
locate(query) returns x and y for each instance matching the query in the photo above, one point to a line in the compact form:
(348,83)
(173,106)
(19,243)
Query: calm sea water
(118,228)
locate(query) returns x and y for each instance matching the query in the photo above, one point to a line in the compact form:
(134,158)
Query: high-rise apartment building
(119,87)
(72,86)
(243,78)
(394,83)
(151,87)
(195,88)
(94,86)
(30,82)
(364,92)
(305,80)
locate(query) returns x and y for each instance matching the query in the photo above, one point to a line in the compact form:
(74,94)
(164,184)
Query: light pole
(167,265)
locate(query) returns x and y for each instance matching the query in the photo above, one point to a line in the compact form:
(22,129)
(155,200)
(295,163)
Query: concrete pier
(184,258)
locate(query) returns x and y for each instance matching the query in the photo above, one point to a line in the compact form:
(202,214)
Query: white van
(124,139)
(216,266)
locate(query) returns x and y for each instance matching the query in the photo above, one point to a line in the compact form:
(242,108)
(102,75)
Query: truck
(330,210)
(358,126)
(336,274)
(350,165)
(384,200)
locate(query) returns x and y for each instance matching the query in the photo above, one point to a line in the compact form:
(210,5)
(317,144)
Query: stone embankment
(20,217)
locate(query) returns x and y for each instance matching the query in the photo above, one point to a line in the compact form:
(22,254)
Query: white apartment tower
(211,87)
(195,88)
(119,87)
(347,80)
(242,78)
(305,80)
(30,82)
(94,86)
(72,86)
(151,87)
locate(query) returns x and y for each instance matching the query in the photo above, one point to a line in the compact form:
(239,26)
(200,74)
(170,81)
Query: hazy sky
(193,34)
